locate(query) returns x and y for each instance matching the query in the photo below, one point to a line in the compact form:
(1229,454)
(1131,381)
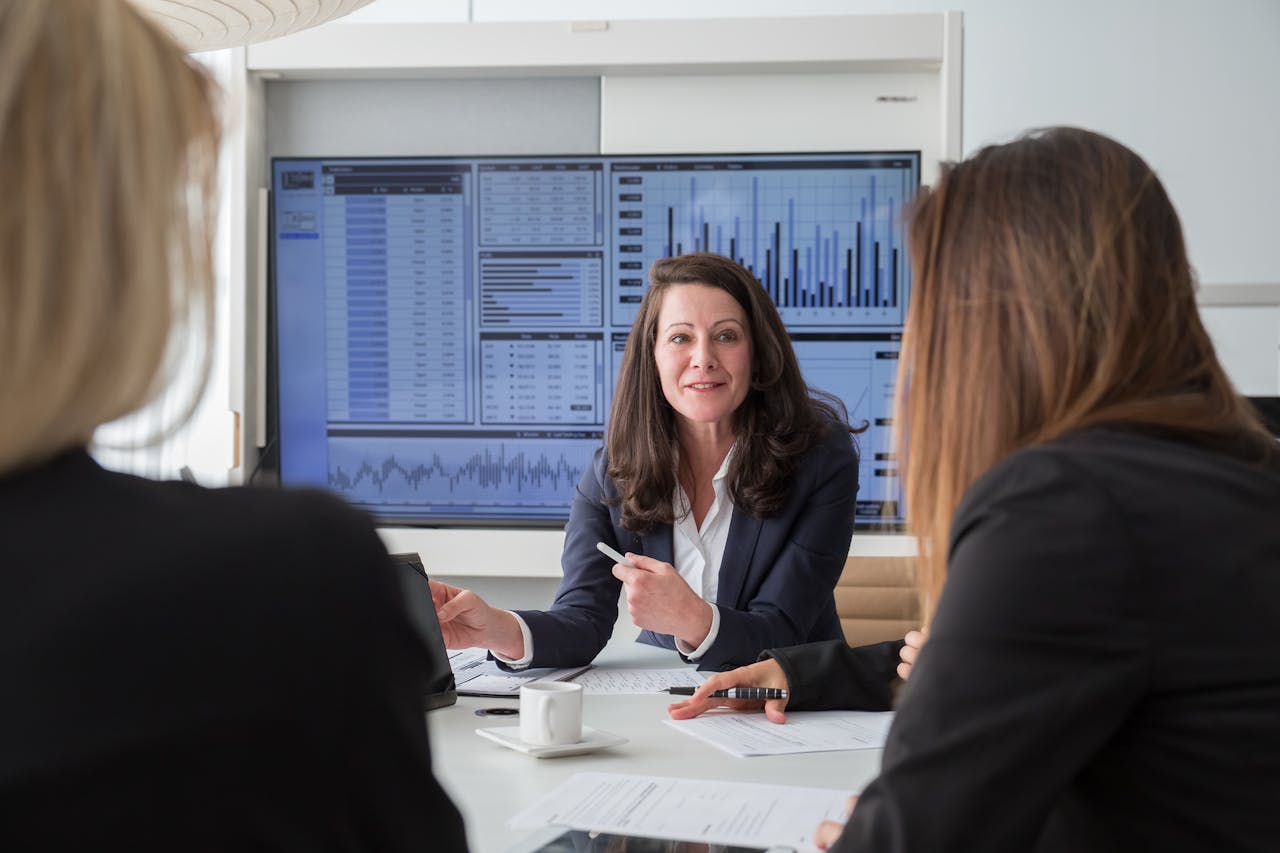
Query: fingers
(909,654)
(626,574)
(649,564)
(828,832)
(719,681)
(643,566)
(463,602)
(688,709)
(765,673)
(441,592)
(914,641)
(702,700)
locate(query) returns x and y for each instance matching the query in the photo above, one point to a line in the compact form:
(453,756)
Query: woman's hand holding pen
(766,673)
(661,601)
(467,620)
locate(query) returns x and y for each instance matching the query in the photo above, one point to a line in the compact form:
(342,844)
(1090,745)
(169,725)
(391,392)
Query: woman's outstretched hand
(466,620)
(766,673)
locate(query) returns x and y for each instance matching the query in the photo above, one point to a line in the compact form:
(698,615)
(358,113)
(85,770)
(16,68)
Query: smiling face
(703,354)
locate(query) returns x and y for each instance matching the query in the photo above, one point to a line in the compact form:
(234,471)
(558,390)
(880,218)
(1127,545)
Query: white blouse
(698,552)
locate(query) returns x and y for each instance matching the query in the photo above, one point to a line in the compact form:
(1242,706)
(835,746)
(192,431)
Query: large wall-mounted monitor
(447,331)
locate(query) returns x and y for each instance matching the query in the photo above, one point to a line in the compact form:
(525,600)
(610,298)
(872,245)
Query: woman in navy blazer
(727,481)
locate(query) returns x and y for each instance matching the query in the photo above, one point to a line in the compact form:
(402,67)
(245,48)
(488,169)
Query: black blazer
(777,575)
(1103,670)
(194,669)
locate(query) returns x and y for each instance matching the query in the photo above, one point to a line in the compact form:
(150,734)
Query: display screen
(447,331)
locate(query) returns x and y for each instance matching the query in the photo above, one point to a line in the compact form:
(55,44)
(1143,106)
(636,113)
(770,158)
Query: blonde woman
(183,669)
(1102,671)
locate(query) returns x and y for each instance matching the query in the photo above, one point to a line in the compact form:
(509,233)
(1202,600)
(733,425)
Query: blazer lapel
(657,543)
(744,532)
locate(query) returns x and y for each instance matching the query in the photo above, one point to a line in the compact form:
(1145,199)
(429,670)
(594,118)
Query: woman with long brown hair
(1096,510)
(727,481)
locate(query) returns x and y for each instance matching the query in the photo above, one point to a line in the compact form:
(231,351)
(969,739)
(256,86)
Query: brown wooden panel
(876,599)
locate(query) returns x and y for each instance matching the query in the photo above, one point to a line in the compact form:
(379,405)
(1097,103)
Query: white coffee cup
(551,713)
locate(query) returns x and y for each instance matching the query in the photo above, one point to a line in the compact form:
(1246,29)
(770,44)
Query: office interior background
(1190,85)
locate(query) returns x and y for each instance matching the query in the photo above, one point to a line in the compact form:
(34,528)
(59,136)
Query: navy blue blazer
(776,577)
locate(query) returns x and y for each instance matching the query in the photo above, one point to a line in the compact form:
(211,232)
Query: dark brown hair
(779,420)
(1052,292)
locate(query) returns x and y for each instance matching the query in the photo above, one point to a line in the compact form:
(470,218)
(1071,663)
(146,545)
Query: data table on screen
(552,289)
(541,204)
(395,285)
(542,378)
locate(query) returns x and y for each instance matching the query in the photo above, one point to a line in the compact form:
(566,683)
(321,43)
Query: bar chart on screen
(823,236)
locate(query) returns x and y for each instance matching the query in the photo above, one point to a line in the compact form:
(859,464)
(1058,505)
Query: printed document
(746,734)
(476,675)
(704,810)
(605,680)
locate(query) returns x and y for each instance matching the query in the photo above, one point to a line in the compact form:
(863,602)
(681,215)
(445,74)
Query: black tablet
(439,689)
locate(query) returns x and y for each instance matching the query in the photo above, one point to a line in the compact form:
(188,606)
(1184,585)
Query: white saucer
(592,739)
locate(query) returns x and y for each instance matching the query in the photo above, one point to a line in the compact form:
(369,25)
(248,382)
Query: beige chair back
(876,599)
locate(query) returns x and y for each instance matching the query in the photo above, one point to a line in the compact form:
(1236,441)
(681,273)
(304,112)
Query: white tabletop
(490,783)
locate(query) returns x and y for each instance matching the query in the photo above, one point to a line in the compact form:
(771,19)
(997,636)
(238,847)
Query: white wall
(1193,86)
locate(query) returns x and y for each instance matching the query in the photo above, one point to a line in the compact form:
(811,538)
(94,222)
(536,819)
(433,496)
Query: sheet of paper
(605,680)
(476,675)
(746,734)
(703,810)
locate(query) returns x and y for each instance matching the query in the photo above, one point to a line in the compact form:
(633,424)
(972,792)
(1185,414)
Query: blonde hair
(1052,292)
(108,155)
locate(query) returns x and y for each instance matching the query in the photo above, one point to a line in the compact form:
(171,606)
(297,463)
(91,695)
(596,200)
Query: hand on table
(829,830)
(766,673)
(915,641)
(661,601)
(467,620)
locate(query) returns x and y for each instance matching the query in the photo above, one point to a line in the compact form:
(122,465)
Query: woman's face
(703,353)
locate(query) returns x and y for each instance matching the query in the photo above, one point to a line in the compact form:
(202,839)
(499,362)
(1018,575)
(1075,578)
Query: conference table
(490,782)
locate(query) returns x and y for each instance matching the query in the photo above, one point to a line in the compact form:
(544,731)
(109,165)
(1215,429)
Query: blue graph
(825,239)
(446,475)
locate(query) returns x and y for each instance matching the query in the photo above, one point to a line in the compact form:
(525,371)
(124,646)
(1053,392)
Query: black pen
(735,692)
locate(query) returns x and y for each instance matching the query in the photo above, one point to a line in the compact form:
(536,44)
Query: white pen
(617,558)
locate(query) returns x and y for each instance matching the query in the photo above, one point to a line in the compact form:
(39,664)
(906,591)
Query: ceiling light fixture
(215,24)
